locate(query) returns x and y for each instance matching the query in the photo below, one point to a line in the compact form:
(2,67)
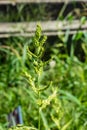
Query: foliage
(20,127)
(41,12)
(52,93)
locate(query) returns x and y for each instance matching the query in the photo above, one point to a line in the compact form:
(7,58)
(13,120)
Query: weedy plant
(50,114)
(36,76)
(21,127)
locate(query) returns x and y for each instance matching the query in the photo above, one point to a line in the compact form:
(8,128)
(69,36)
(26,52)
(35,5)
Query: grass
(61,81)
(50,87)
(44,12)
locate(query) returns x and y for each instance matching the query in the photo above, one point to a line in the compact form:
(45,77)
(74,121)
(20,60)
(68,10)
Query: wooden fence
(38,1)
(48,27)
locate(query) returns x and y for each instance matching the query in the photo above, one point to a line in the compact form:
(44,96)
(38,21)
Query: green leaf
(70,97)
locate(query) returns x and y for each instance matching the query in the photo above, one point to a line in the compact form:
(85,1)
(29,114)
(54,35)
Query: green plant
(45,93)
(21,127)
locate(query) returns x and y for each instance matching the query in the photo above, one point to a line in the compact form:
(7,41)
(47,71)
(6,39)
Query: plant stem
(39,114)
(39,121)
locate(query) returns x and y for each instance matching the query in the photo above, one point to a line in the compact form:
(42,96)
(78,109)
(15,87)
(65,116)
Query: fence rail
(38,1)
(48,28)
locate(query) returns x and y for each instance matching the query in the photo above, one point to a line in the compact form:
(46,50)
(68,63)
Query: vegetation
(48,81)
(20,127)
(41,12)
(52,93)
